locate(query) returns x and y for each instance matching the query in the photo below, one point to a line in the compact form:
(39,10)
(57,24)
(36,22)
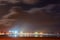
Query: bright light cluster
(26,34)
(2,33)
(22,34)
(13,33)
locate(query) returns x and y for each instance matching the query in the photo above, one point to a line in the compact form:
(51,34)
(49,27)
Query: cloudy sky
(31,15)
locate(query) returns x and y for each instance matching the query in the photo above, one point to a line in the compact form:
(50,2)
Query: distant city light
(36,34)
(1,33)
(21,34)
(41,33)
(14,33)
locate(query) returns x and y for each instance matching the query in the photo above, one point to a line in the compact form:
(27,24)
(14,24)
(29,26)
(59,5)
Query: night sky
(30,16)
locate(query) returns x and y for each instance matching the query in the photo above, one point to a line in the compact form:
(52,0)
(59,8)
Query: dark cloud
(53,10)
(37,18)
(30,1)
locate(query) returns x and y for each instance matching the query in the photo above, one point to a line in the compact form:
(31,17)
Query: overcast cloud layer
(39,17)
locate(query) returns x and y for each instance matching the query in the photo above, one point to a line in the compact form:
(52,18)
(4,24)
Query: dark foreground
(32,38)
